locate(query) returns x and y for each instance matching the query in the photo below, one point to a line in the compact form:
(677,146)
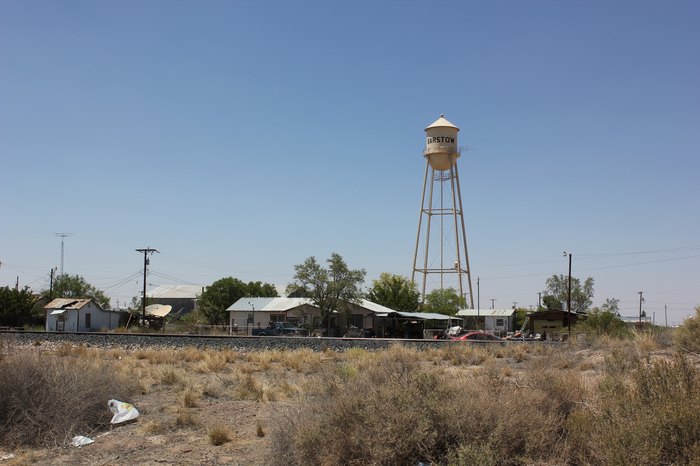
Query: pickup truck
(280,329)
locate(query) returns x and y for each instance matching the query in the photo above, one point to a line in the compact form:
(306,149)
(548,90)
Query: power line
(175,279)
(657,251)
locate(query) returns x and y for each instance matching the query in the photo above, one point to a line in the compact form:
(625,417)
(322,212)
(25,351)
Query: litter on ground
(122,411)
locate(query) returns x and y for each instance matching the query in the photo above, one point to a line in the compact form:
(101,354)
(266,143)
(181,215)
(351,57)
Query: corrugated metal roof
(374,307)
(268,304)
(426,316)
(176,291)
(68,303)
(485,312)
(284,304)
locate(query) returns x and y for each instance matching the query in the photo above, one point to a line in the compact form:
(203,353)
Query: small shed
(552,321)
(498,321)
(79,315)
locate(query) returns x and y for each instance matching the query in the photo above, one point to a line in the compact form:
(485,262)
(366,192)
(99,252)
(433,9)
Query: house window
(87,320)
(250,319)
(356,320)
(499,322)
(277,318)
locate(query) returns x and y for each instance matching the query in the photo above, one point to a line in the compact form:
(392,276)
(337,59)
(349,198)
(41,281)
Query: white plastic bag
(79,441)
(122,411)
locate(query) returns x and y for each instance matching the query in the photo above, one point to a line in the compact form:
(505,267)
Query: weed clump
(218,435)
(46,400)
(687,336)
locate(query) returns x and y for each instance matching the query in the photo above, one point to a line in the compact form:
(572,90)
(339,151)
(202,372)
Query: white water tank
(441,148)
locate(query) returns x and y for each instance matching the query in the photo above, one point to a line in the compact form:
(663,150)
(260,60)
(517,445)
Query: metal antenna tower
(63,235)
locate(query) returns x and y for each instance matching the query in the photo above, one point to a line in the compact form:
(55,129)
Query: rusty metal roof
(68,303)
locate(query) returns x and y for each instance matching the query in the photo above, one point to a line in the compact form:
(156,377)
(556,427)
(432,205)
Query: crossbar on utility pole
(145,252)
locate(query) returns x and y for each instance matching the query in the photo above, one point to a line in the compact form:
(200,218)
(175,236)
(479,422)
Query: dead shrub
(687,336)
(170,375)
(642,417)
(186,418)
(401,411)
(191,395)
(218,435)
(46,400)
(460,353)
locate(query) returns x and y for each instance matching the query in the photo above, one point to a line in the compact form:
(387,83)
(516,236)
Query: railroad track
(237,342)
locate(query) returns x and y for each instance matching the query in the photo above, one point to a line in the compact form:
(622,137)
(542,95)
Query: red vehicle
(477,336)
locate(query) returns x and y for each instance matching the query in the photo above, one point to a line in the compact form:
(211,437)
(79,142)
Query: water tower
(441,242)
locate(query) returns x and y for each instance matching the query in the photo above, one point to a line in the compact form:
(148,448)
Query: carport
(414,325)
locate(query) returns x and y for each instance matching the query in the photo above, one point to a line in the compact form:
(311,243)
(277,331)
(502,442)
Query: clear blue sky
(239,138)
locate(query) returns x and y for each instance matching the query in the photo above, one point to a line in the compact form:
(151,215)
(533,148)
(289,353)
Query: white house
(491,320)
(78,315)
(248,313)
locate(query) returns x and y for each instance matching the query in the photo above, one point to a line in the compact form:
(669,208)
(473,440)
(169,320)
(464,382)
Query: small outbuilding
(552,321)
(79,315)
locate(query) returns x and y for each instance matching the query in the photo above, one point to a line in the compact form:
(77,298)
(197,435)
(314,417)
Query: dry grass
(191,396)
(603,401)
(186,418)
(45,400)
(219,435)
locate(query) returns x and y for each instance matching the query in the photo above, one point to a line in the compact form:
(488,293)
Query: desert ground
(227,407)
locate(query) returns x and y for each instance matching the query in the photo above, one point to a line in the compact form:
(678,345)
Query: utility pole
(665,315)
(53,269)
(640,307)
(568,298)
(493,300)
(478,303)
(146,252)
(515,304)
(539,300)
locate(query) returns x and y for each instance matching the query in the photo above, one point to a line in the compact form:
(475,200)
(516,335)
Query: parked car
(280,329)
(477,336)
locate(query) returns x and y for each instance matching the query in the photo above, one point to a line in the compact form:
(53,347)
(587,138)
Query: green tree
(555,296)
(444,301)
(328,288)
(219,296)
(603,322)
(16,306)
(75,286)
(611,305)
(395,292)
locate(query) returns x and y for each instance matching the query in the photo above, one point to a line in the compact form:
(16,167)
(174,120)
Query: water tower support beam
(464,238)
(429,212)
(420,221)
